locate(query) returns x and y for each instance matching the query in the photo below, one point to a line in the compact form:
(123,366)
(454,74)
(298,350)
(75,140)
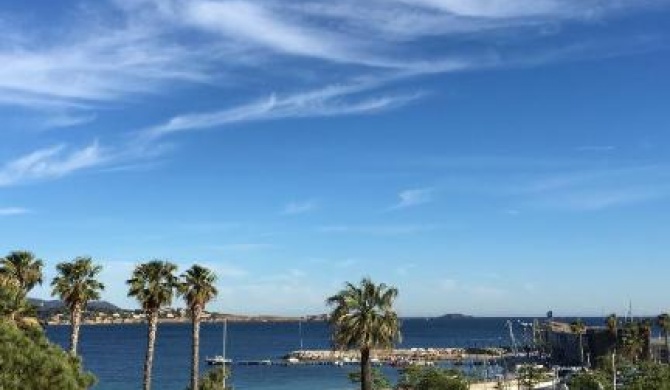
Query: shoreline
(262,319)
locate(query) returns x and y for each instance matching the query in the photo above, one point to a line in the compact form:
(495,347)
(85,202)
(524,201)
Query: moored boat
(218,361)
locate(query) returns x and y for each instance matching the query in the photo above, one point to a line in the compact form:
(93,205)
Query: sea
(115,353)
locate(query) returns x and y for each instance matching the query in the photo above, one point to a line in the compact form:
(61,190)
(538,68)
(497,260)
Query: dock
(406,356)
(394,358)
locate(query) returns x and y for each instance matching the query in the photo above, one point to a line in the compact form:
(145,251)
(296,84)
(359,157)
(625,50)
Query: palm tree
(631,341)
(25,269)
(199,289)
(579,328)
(9,292)
(612,324)
(363,318)
(645,337)
(663,322)
(76,285)
(154,285)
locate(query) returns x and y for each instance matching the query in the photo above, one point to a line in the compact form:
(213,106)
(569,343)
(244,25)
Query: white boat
(218,361)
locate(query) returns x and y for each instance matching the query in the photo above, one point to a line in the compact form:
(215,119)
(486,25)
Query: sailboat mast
(225,336)
(300,334)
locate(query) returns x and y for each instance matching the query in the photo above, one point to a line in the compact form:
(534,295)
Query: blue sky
(486,157)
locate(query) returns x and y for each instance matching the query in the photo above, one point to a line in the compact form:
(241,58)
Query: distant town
(105,313)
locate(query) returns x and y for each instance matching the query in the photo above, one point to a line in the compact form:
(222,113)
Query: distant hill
(454,316)
(56,305)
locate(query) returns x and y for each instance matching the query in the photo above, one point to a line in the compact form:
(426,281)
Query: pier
(393,358)
(406,356)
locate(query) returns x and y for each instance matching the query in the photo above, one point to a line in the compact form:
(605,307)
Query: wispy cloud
(104,64)
(49,163)
(499,9)
(595,199)
(303,207)
(241,247)
(377,230)
(67,120)
(328,101)
(596,148)
(110,53)
(598,189)
(583,184)
(337,58)
(252,22)
(222,270)
(413,197)
(11,211)
(473,289)
(405,269)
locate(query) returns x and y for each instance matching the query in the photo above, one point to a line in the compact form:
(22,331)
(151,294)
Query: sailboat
(294,359)
(220,360)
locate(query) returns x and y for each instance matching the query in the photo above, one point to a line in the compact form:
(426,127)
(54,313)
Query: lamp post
(614,369)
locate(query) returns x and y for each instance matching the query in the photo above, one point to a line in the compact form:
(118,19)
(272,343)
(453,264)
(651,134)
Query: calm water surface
(115,353)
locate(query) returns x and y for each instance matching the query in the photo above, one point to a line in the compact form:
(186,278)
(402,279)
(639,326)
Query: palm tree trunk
(195,351)
(75,321)
(20,296)
(17,303)
(667,347)
(151,341)
(366,371)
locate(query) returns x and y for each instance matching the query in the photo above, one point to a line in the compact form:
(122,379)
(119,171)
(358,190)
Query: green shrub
(590,381)
(379,381)
(421,378)
(213,379)
(30,361)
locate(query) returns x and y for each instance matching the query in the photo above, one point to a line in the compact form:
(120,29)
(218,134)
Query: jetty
(400,357)
(393,357)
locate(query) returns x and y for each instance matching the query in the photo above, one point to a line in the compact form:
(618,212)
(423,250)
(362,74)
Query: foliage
(577,326)
(29,361)
(11,298)
(213,379)
(363,316)
(431,378)
(592,380)
(76,283)
(663,322)
(198,286)
(612,324)
(647,376)
(635,341)
(530,375)
(379,381)
(23,267)
(153,284)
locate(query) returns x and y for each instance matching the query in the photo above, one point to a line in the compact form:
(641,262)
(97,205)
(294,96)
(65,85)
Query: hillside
(56,305)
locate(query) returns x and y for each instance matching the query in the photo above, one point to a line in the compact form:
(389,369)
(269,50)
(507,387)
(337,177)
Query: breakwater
(402,356)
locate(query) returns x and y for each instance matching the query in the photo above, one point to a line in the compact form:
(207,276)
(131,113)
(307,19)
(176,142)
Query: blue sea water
(115,353)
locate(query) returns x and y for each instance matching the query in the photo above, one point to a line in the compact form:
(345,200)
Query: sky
(486,157)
